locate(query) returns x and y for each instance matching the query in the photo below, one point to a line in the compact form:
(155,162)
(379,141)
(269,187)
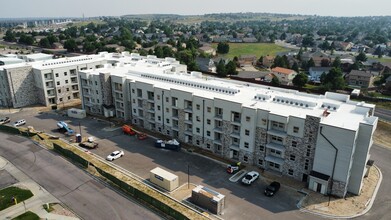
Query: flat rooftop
(342,112)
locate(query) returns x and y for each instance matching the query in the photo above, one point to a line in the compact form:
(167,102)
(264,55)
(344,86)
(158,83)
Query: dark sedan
(272,188)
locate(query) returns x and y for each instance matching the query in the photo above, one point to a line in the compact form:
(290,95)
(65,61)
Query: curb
(365,211)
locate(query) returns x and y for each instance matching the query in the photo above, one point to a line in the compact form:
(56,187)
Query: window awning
(274,159)
(277,133)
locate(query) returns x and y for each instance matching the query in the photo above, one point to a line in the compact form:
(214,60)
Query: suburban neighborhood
(214,116)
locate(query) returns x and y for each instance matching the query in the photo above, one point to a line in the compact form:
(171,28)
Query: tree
(9,36)
(223,48)
(333,79)
(308,41)
(70,45)
(300,80)
(325,45)
(325,62)
(295,67)
(310,63)
(230,68)
(275,81)
(337,62)
(220,68)
(281,62)
(44,42)
(379,52)
(300,54)
(361,57)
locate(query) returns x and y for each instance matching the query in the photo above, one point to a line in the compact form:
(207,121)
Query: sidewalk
(35,203)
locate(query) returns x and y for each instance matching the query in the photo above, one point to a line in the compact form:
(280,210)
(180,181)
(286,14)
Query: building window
(294,144)
(197,142)
(134,100)
(292,157)
(245,159)
(261,148)
(59,91)
(246,144)
(208,146)
(168,121)
(248,118)
(198,107)
(158,97)
(295,129)
(306,164)
(158,107)
(168,132)
(69,98)
(260,162)
(167,110)
(159,118)
(198,118)
(198,130)
(308,152)
(209,109)
(56,74)
(290,172)
(208,121)
(67,89)
(277,139)
(58,83)
(132,90)
(247,132)
(65,73)
(274,165)
(134,111)
(208,133)
(167,99)
(275,152)
(66,81)
(60,99)
(264,121)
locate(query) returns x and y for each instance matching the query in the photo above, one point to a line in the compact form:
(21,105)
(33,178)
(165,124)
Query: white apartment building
(323,140)
(48,82)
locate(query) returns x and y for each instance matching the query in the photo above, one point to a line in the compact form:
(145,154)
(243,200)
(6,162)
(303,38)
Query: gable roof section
(283,70)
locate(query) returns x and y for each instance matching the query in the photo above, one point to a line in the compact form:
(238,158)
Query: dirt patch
(59,210)
(183,192)
(351,205)
(382,135)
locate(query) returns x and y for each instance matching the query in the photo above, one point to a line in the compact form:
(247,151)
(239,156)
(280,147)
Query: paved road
(382,206)
(79,191)
(383,114)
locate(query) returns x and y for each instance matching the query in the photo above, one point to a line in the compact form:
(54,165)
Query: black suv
(272,188)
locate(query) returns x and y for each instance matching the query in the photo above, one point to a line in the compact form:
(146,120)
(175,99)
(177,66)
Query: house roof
(283,70)
(388,79)
(320,69)
(360,73)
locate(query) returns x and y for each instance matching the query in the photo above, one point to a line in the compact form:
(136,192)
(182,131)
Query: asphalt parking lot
(242,202)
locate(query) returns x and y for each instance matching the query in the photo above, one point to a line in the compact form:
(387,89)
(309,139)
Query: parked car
(19,122)
(115,155)
(250,177)
(233,168)
(272,188)
(5,120)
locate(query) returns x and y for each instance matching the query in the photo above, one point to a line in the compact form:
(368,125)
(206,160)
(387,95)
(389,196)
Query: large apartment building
(48,82)
(323,140)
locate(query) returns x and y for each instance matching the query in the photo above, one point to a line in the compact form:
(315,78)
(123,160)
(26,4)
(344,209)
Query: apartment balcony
(234,146)
(235,134)
(189,121)
(217,141)
(218,129)
(274,159)
(175,117)
(189,132)
(175,127)
(279,133)
(236,122)
(151,100)
(48,79)
(151,110)
(188,109)
(219,117)
(151,119)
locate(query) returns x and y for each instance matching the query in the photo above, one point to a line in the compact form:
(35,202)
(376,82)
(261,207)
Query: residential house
(388,83)
(360,78)
(316,72)
(285,76)
(246,60)
(206,65)
(207,49)
(267,61)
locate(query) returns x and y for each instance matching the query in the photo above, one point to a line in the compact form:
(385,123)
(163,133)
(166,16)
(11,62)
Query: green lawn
(383,59)
(27,216)
(257,49)
(7,194)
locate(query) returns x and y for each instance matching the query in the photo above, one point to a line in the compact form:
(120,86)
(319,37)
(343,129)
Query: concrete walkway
(33,204)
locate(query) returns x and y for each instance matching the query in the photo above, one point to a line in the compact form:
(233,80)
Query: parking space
(242,201)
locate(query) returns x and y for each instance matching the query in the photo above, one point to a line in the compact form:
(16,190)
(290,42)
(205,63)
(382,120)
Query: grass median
(13,195)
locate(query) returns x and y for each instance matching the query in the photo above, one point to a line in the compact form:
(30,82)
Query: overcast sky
(91,8)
